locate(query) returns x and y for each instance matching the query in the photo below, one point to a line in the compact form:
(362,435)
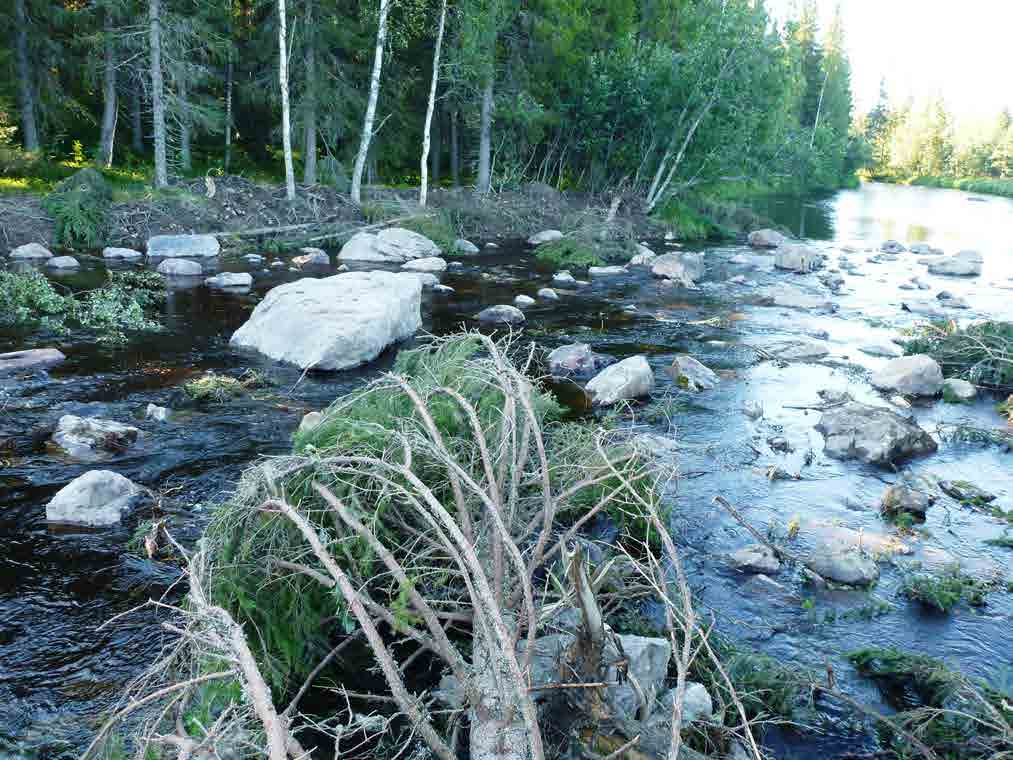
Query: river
(58,671)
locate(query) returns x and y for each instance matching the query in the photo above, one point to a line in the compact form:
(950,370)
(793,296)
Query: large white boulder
(918,375)
(872,434)
(31,251)
(361,247)
(183,246)
(427,264)
(30,360)
(336,322)
(798,258)
(766,239)
(180,268)
(90,438)
(963,264)
(393,246)
(545,236)
(684,268)
(97,498)
(629,379)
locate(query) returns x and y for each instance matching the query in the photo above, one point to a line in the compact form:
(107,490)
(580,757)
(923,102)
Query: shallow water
(58,672)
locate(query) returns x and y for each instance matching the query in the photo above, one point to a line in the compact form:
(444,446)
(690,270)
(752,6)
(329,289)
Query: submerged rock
(963,264)
(336,322)
(564,278)
(792,298)
(917,375)
(901,498)
(545,236)
(607,271)
(690,374)
(183,246)
(230,281)
(885,348)
(63,262)
(924,249)
(798,350)
(892,246)
(629,379)
(29,360)
(850,567)
(961,490)
(502,314)
(756,558)
(180,268)
(96,499)
(684,268)
(576,360)
(872,434)
(89,438)
(30,251)
(766,238)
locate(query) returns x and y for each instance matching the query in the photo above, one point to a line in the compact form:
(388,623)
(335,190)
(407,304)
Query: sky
(961,49)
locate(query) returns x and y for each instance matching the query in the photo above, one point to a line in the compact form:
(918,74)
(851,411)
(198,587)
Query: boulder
(798,258)
(963,264)
(901,498)
(63,262)
(360,247)
(681,267)
(336,322)
(753,409)
(563,278)
(927,308)
(789,297)
(545,236)
(576,360)
(254,259)
(465,247)
(766,239)
(892,246)
(183,246)
(872,434)
(30,360)
(427,279)
(548,294)
(230,281)
(798,350)
(756,558)
(690,374)
(963,491)
(90,438)
(502,314)
(924,249)
(647,661)
(30,251)
(629,379)
(959,391)
(310,420)
(522,301)
(607,271)
(917,375)
(312,258)
(157,413)
(886,348)
(121,254)
(180,268)
(427,264)
(97,498)
(643,256)
(849,566)
(399,243)
(444,289)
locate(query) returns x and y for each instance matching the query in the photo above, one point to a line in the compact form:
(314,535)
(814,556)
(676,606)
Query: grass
(568,252)
(945,590)
(982,185)
(213,388)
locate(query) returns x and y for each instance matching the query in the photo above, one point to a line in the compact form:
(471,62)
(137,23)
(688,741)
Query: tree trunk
(228,113)
(455,150)
(136,118)
(374,93)
(484,184)
(436,152)
(157,92)
(110,108)
(185,157)
(286,126)
(424,186)
(498,731)
(309,175)
(26,90)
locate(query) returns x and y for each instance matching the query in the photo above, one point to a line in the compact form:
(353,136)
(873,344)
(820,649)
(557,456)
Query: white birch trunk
(484,183)
(26,91)
(424,187)
(374,93)
(110,108)
(286,126)
(157,92)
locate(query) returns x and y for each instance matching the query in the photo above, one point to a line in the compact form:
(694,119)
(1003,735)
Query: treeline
(659,98)
(922,141)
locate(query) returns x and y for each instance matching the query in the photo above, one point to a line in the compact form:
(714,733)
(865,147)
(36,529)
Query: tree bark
(136,118)
(310,114)
(286,126)
(157,91)
(26,89)
(484,183)
(110,107)
(424,186)
(497,730)
(436,151)
(455,150)
(228,113)
(185,156)
(374,93)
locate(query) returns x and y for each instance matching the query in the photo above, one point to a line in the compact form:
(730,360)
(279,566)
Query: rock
(564,278)
(963,491)
(444,289)
(756,558)
(546,655)
(629,379)
(647,661)
(892,246)
(696,705)
(643,255)
(850,567)
(312,257)
(309,421)
(230,281)
(360,247)
(833,280)
(963,264)
(157,413)
(278,264)
(766,239)
(336,322)
(957,390)
(901,498)
(30,360)
(924,249)
(121,254)
(798,350)
(428,264)
(545,236)
(183,246)
(872,434)
(88,438)
(393,245)
(426,279)
(798,258)
(97,498)
(30,251)
(465,246)
(253,259)
(180,268)
(917,375)
(885,348)
(690,374)
(503,314)
(780,444)
(548,294)
(788,297)
(576,360)
(928,308)
(684,268)
(956,302)
(906,286)
(63,262)
(522,300)
(607,271)
(753,409)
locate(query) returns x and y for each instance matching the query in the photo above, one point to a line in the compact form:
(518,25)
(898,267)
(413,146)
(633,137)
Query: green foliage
(983,185)
(568,252)
(945,590)
(981,353)
(437,226)
(29,300)
(79,206)
(213,388)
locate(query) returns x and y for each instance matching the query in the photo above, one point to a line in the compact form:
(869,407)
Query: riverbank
(978,185)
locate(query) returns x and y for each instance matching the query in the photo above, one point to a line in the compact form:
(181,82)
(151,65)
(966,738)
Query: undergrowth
(568,252)
(981,353)
(79,206)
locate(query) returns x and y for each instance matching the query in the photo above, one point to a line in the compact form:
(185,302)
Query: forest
(668,101)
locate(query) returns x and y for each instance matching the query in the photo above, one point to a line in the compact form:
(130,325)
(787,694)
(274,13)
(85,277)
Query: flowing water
(59,671)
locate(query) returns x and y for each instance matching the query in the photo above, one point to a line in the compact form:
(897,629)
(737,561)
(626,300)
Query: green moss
(568,252)
(218,389)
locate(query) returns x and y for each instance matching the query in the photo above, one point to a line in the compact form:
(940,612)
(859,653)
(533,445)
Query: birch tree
(424,187)
(374,93)
(286,127)
(157,92)
(26,82)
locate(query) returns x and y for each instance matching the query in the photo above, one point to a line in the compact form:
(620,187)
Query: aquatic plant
(217,389)
(945,590)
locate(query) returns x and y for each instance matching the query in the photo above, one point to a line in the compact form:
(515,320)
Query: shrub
(79,206)
(981,353)
(29,300)
(568,252)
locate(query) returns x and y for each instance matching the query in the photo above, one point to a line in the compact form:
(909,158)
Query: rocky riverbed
(769,373)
